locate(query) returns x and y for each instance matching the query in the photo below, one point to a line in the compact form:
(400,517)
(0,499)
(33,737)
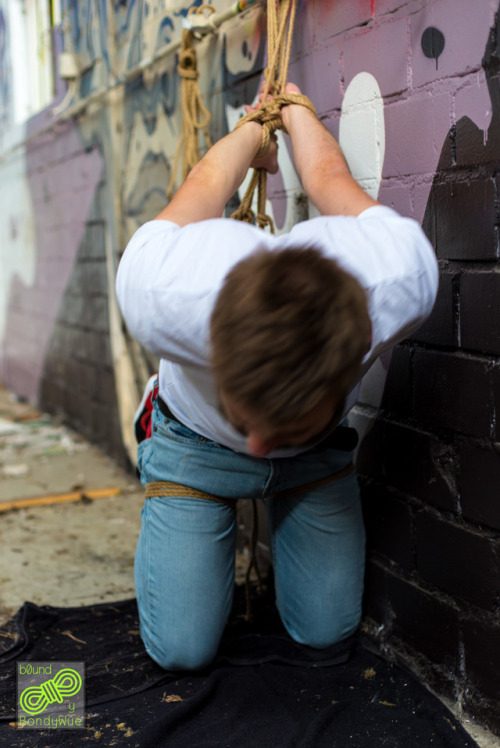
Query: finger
(263,87)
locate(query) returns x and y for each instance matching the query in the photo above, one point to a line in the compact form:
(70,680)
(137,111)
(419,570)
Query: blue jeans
(184,568)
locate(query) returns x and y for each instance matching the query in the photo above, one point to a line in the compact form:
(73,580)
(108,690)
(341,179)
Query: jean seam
(148,578)
(272,534)
(145,464)
(269,481)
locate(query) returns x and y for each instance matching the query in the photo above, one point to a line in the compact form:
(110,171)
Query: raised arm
(321,165)
(217,176)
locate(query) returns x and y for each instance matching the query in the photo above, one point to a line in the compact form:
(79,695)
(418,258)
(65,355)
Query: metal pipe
(216,20)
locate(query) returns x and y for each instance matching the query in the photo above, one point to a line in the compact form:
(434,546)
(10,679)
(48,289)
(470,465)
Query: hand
(292,88)
(268,160)
(286,111)
(289,88)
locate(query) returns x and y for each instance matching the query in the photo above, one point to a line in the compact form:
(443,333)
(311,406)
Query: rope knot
(270,112)
(195,115)
(187,66)
(269,116)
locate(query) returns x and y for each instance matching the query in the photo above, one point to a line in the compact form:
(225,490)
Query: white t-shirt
(169,278)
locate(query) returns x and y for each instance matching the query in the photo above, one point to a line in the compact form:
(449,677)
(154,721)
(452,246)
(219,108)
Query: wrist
(252,130)
(293,115)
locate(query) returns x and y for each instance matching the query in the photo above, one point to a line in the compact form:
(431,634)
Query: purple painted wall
(63,177)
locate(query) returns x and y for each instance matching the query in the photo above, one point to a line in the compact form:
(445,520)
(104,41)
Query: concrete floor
(72,553)
(77,552)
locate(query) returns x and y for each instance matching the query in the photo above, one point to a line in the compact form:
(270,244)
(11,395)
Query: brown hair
(288,328)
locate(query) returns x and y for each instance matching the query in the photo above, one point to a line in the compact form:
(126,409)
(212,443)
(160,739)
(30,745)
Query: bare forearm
(322,167)
(215,178)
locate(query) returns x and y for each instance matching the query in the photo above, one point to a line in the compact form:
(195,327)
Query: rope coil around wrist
(269,116)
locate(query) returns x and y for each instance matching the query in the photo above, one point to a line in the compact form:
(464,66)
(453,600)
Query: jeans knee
(180,656)
(320,633)
(323,640)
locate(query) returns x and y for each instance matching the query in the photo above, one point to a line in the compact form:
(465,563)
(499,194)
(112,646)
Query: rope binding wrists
(269,116)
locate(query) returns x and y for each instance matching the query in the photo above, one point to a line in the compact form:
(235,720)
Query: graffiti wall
(411,89)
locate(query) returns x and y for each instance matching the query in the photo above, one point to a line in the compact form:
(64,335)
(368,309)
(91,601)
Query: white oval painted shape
(362,131)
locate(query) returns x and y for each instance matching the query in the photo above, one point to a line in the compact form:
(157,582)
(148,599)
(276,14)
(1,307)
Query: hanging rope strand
(195,115)
(285,57)
(278,51)
(280,25)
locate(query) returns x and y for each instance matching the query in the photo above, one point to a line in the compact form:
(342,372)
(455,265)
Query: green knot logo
(35,699)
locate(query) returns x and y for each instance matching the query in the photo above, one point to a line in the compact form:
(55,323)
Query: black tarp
(262,691)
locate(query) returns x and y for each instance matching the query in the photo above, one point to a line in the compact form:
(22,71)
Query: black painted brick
(420,465)
(495,399)
(55,367)
(93,244)
(457,560)
(94,277)
(453,392)
(482,648)
(98,415)
(77,407)
(370,456)
(441,328)
(397,390)
(114,441)
(73,310)
(51,395)
(83,349)
(388,526)
(480,312)
(462,220)
(472,149)
(87,379)
(375,597)
(426,623)
(95,316)
(100,351)
(107,387)
(479,484)
(71,371)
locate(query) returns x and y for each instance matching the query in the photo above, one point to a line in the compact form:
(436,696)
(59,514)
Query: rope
(253,564)
(195,116)
(280,25)
(180,491)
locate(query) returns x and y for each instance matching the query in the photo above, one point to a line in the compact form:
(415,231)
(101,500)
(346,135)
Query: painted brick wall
(411,88)
(431,463)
